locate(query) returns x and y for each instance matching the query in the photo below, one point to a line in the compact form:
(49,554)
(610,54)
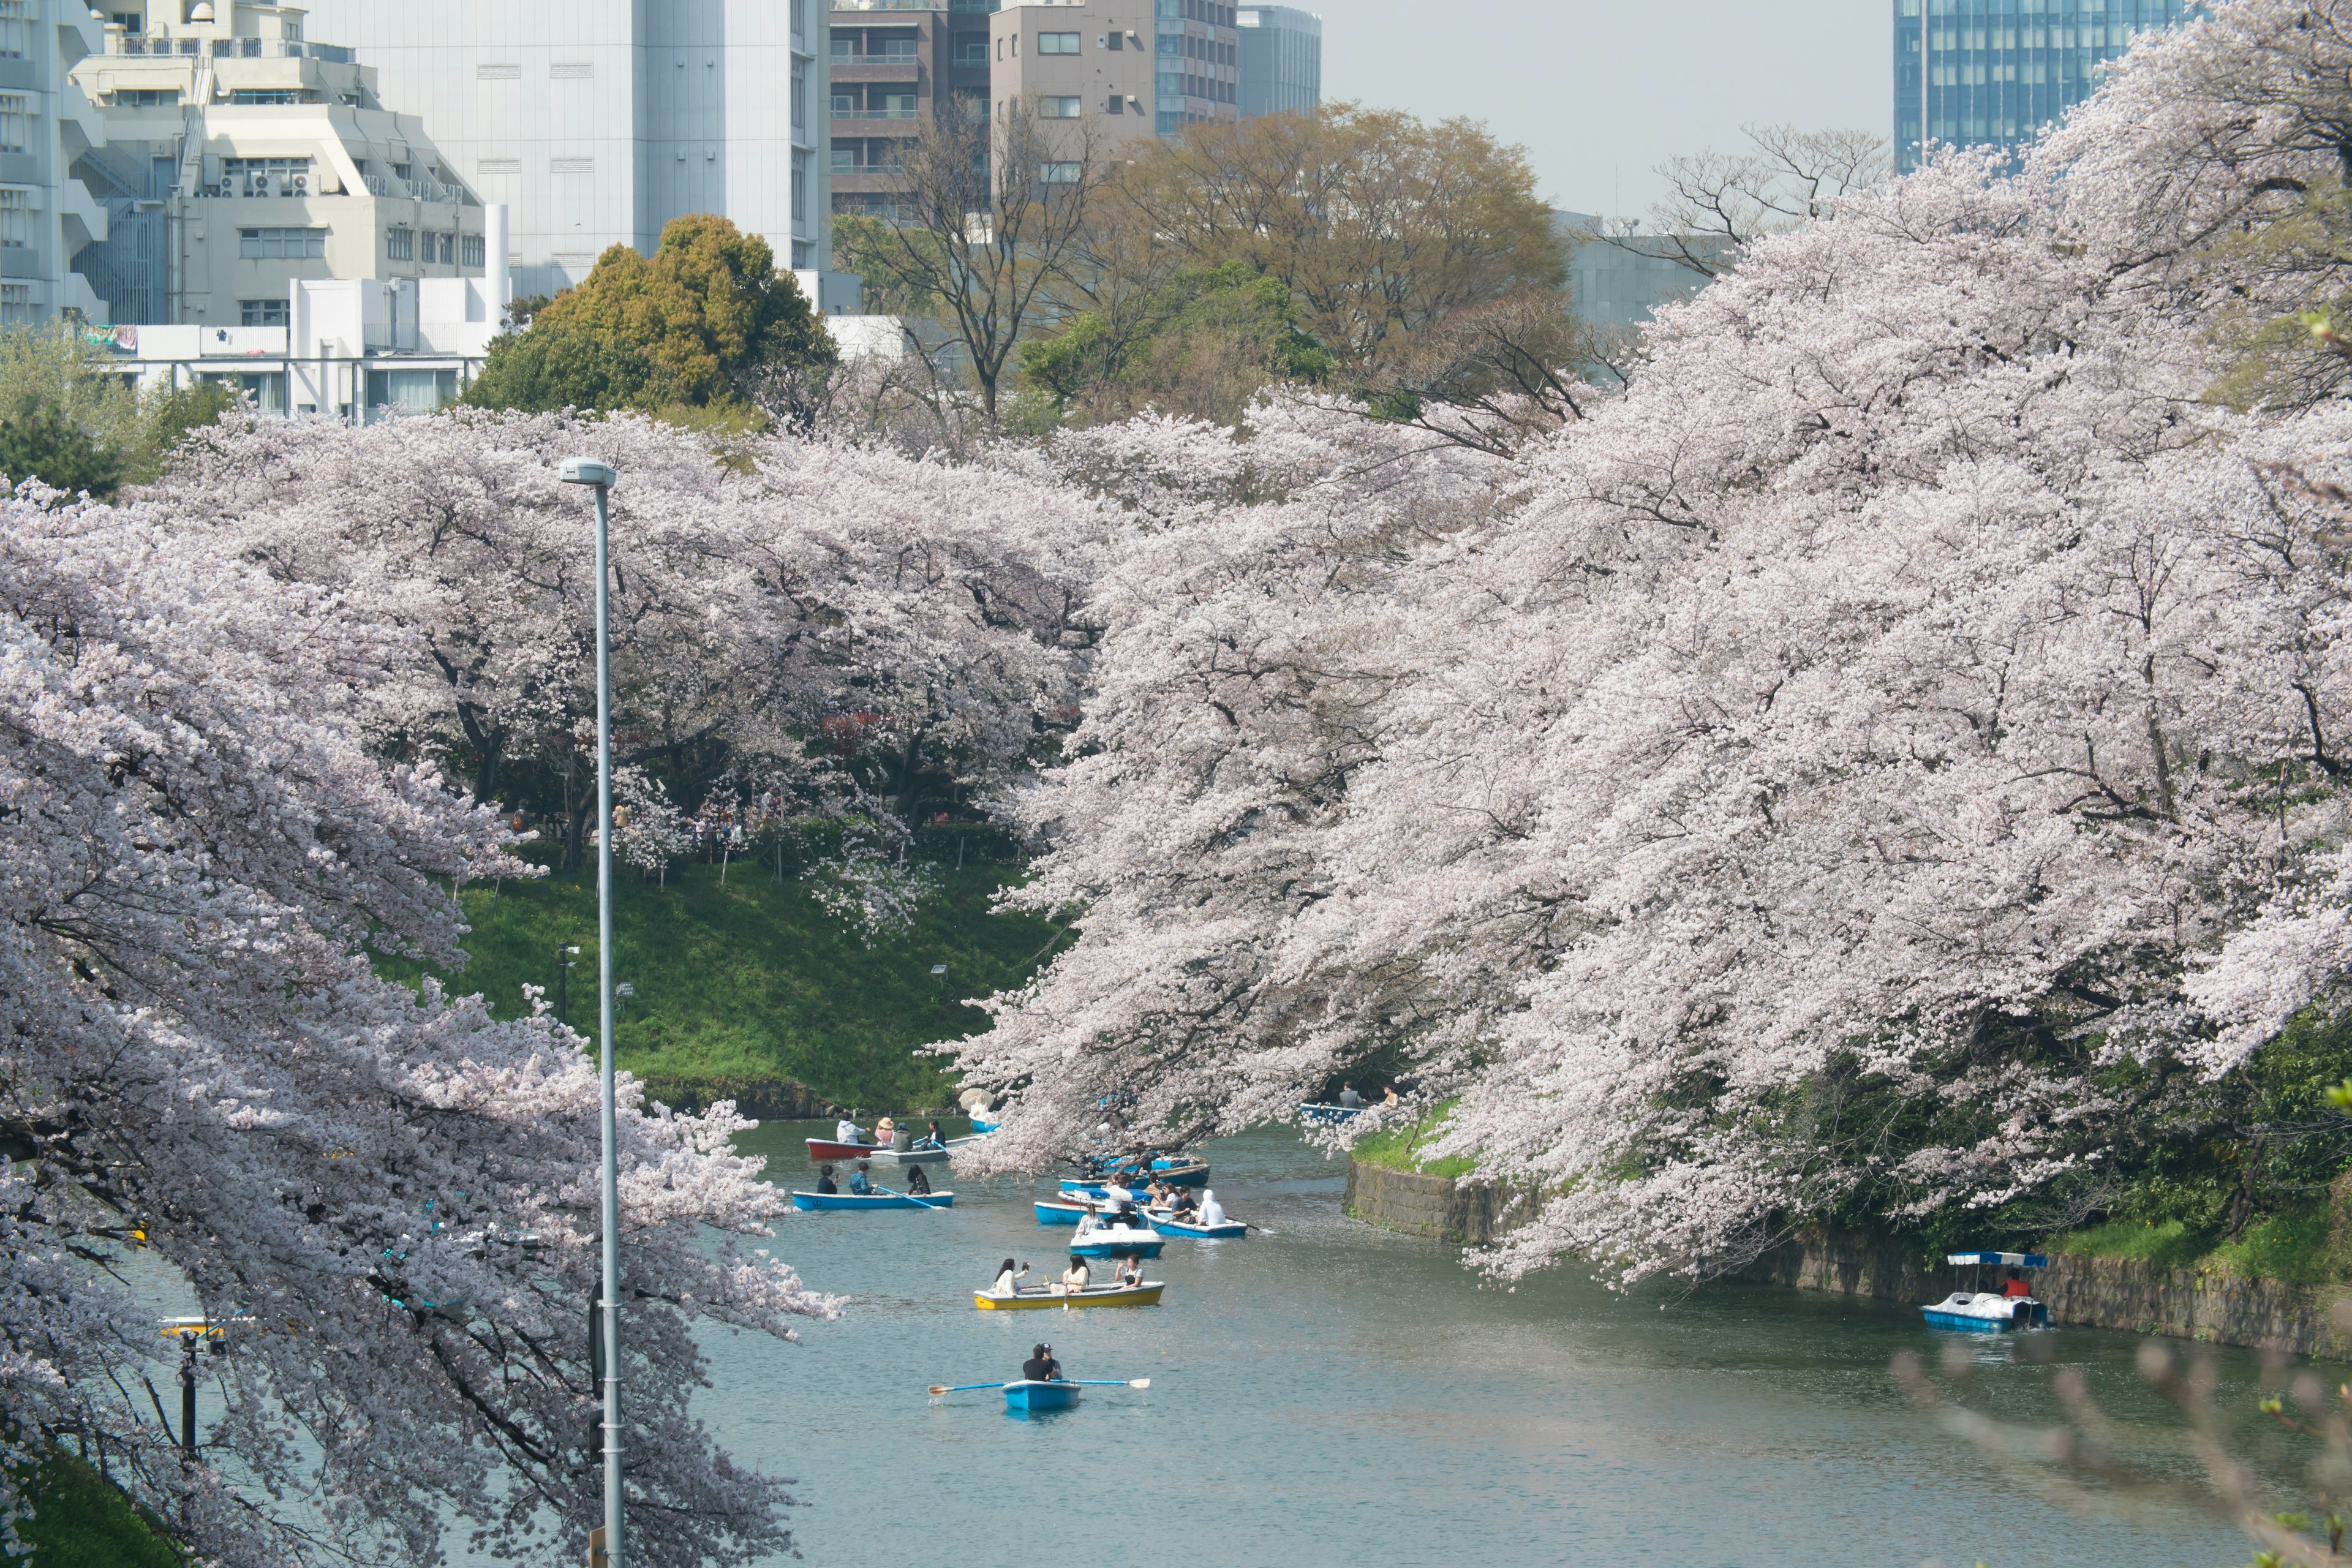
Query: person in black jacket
(1040,1366)
(825,1182)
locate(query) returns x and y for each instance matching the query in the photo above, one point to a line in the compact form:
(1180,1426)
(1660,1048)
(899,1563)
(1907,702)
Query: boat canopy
(2012,1259)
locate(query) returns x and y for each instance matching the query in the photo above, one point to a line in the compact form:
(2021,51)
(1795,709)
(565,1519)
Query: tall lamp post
(599,477)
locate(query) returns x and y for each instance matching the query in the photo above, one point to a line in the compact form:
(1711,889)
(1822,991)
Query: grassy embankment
(1395,1148)
(751,989)
(82,1521)
(2300,1248)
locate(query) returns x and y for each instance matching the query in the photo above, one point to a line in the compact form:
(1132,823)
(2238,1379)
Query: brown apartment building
(1121,68)
(893,65)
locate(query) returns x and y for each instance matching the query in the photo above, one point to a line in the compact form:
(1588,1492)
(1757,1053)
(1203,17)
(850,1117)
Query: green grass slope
(82,1521)
(748,988)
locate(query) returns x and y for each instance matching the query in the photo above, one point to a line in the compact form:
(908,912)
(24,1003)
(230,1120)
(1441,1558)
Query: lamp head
(587,471)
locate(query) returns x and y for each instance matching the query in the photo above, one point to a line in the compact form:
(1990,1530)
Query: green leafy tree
(40,443)
(684,328)
(1204,344)
(870,247)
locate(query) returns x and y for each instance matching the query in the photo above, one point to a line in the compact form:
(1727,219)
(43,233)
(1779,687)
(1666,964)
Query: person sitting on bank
(1008,1283)
(825,1182)
(2015,1285)
(1074,1278)
(916,1182)
(860,1183)
(1040,1366)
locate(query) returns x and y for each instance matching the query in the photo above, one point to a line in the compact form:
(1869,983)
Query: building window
(15,122)
(400,244)
(16,217)
(16,29)
(1115,104)
(16,307)
(257,95)
(411,391)
(800,192)
(471,251)
(800,102)
(1058,173)
(448,250)
(261,313)
(268,244)
(1057,43)
(1059,108)
(1114,41)
(147,98)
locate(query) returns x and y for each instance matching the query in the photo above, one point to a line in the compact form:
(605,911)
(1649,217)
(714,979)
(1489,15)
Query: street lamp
(599,477)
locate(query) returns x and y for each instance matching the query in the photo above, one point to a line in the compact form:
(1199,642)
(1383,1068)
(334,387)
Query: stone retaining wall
(2093,1292)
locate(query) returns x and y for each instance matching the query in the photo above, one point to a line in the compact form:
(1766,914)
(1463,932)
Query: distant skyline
(1601,94)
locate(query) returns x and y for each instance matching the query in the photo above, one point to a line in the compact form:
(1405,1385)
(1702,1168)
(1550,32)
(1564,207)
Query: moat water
(1336,1394)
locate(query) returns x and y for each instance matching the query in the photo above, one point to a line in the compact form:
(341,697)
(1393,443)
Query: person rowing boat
(1212,1213)
(1040,1366)
(1074,1278)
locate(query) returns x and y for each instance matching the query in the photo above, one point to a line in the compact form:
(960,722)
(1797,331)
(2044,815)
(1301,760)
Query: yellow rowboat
(1050,1297)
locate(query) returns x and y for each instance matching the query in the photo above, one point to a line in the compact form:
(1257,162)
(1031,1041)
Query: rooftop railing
(137,44)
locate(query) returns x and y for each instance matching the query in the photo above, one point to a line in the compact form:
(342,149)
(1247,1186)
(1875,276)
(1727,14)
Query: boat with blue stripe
(872,1201)
(1118,1241)
(1974,1312)
(1030,1393)
(1168,1224)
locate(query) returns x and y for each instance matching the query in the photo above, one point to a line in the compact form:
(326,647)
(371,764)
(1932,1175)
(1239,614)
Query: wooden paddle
(911,1198)
(939,1388)
(1109,1382)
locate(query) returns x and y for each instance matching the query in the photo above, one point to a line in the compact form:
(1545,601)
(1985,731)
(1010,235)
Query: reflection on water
(1336,1394)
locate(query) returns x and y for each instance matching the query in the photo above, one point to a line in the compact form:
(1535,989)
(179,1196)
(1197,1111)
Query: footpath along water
(1337,1395)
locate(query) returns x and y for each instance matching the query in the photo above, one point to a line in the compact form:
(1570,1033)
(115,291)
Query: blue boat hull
(1329,1115)
(1027,1395)
(1232,1230)
(1117,1248)
(1059,1214)
(1965,1323)
(883,1201)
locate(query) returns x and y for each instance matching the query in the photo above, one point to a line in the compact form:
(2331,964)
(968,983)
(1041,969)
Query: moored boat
(872,1201)
(1972,1310)
(1029,1393)
(1041,1298)
(1329,1115)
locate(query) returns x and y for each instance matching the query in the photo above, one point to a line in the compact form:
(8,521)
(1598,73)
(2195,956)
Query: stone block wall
(2092,1292)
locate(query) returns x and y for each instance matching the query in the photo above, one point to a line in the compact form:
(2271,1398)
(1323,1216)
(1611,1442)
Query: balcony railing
(890,55)
(233,48)
(874,113)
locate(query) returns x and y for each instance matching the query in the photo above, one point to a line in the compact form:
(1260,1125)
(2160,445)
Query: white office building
(1282,60)
(597,122)
(46,217)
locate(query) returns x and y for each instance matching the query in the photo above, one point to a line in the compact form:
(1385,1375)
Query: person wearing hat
(1040,1366)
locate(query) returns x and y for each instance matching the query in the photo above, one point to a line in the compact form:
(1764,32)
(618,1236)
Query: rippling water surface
(1337,1395)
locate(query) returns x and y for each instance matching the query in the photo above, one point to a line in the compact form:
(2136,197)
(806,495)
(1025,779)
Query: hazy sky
(1599,94)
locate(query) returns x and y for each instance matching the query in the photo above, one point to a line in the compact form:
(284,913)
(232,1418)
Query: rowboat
(1051,1298)
(1167,1224)
(1329,1115)
(1061,1213)
(872,1201)
(828,1151)
(1981,1311)
(1101,1192)
(1181,1172)
(1118,1241)
(1031,1394)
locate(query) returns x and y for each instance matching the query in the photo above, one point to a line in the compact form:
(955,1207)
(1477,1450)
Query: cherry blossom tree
(1873,765)
(390,1195)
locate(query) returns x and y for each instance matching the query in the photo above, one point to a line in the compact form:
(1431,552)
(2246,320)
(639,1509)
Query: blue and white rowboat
(1031,1394)
(1168,1225)
(1118,1241)
(1329,1115)
(1061,1213)
(873,1201)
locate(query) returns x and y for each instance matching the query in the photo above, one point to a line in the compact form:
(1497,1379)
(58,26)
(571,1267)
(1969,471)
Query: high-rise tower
(1282,60)
(1996,71)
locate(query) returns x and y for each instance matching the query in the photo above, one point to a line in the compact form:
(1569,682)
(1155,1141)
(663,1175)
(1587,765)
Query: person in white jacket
(1211,1211)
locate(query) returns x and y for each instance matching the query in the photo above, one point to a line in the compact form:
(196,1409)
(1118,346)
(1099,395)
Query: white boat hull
(1981,1312)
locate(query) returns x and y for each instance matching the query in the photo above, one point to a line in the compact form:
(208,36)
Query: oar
(1109,1382)
(1259,1228)
(912,1198)
(939,1388)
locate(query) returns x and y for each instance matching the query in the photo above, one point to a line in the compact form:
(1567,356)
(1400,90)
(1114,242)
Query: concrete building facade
(1994,72)
(241,155)
(47,123)
(1281,60)
(1090,63)
(597,122)
(895,67)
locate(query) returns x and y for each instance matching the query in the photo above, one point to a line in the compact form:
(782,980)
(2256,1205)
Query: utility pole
(600,477)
